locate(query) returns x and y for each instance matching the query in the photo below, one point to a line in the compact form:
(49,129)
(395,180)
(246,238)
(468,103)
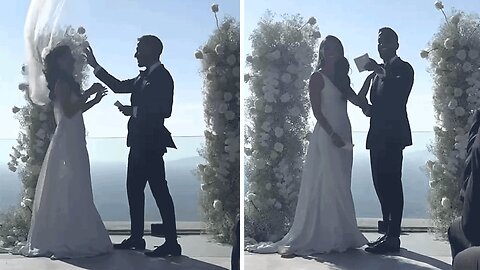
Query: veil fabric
(40,34)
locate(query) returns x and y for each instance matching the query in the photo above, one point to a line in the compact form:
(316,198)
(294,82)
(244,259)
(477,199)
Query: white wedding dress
(65,221)
(325,215)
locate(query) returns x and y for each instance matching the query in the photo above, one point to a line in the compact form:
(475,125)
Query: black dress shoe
(380,239)
(166,250)
(130,243)
(388,245)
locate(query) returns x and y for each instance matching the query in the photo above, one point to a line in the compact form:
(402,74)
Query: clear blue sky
(356,23)
(113,27)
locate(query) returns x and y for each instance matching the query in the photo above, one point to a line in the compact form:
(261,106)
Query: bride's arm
(63,93)
(315,86)
(360,99)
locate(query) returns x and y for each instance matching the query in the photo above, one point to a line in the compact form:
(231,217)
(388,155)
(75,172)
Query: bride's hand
(96,87)
(337,140)
(100,94)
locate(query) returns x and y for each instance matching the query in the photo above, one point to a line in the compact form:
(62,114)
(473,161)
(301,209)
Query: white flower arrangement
(282,59)
(220,175)
(454,62)
(37,128)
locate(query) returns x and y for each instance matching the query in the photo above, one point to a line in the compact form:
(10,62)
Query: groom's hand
(372,65)
(126,110)
(91,60)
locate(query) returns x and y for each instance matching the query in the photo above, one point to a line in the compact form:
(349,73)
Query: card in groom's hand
(118,104)
(361,61)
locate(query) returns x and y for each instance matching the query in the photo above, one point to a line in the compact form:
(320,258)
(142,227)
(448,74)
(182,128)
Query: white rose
(456,18)
(278,147)
(448,44)
(259,104)
(459,111)
(236,72)
(220,49)
(268,109)
(246,77)
(227,96)
(285,97)
(463,41)
(458,92)
(81,30)
(11,239)
(261,164)
(229,115)
(273,155)
(445,202)
(231,60)
(312,21)
(43,116)
(217,205)
(462,55)
(199,54)
(15,109)
(275,55)
(473,54)
(278,205)
(439,5)
(223,108)
(278,132)
(316,35)
(268,186)
(269,97)
(266,126)
(452,104)
(292,68)
(215,8)
(295,111)
(286,78)
(467,66)
(424,54)
(250,59)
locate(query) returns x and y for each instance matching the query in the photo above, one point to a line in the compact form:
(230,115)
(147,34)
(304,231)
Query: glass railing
(108,159)
(415,179)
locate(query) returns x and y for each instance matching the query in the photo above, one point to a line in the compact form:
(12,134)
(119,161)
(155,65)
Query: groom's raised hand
(91,60)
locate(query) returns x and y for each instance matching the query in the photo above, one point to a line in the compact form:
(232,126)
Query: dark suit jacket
(153,95)
(388,115)
(470,194)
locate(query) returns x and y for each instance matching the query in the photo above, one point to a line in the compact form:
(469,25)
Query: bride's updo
(54,72)
(342,67)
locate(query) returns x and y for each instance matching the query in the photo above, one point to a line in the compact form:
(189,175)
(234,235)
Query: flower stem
(216,19)
(444,15)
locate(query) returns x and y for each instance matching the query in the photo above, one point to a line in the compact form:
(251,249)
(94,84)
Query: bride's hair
(342,67)
(53,71)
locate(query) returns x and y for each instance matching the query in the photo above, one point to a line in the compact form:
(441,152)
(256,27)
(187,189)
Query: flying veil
(40,36)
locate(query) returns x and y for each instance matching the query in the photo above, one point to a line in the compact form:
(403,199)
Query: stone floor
(420,251)
(199,253)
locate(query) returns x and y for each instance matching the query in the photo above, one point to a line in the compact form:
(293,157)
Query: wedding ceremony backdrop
(276,122)
(220,175)
(454,60)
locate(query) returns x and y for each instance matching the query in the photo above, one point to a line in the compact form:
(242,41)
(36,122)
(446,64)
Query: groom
(151,102)
(389,134)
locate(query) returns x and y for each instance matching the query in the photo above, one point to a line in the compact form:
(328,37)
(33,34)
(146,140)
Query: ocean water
(108,158)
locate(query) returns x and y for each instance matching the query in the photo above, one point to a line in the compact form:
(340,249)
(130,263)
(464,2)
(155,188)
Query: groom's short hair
(389,33)
(153,42)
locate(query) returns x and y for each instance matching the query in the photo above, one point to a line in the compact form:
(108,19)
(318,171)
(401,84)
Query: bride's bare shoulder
(316,81)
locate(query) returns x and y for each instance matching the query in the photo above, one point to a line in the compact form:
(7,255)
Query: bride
(65,222)
(325,215)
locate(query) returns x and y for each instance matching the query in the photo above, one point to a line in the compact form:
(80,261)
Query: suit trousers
(386,166)
(146,164)
(456,237)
